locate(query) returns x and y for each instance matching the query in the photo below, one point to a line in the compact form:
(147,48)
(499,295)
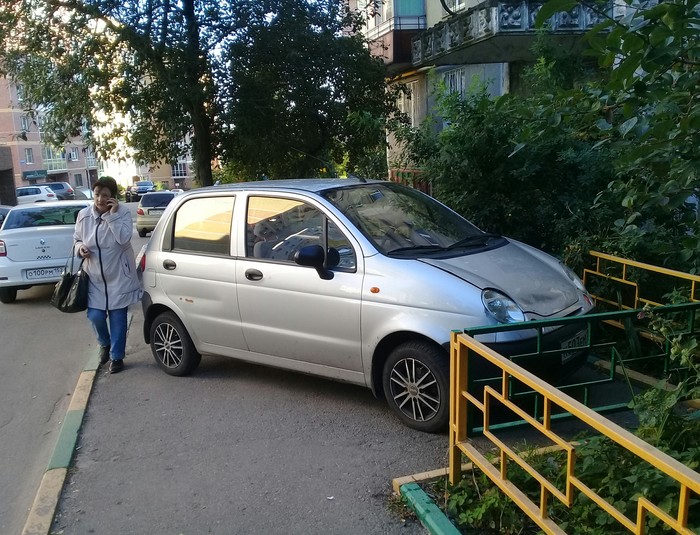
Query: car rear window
(41,216)
(154,200)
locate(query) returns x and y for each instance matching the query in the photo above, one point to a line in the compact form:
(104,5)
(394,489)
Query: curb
(46,500)
(43,509)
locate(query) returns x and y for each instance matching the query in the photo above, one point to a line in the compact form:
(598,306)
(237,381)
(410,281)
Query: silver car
(358,281)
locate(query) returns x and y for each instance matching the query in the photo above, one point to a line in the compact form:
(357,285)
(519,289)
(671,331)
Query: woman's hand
(113,204)
(83,252)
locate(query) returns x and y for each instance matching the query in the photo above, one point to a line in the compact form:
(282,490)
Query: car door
(288,311)
(198,273)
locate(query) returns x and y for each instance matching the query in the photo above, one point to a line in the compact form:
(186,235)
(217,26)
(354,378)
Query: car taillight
(3,250)
(142,263)
(50,195)
(140,211)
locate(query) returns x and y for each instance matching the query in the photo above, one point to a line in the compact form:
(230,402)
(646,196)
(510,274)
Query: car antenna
(360,178)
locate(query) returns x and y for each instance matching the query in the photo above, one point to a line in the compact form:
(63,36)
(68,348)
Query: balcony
(391,40)
(55,164)
(495,32)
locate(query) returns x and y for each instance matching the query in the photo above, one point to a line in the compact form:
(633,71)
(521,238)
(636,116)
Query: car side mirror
(312,256)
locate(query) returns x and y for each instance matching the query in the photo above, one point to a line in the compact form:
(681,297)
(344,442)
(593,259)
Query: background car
(30,194)
(151,207)
(3,212)
(141,187)
(63,190)
(83,193)
(177,191)
(354,280)
(35,243)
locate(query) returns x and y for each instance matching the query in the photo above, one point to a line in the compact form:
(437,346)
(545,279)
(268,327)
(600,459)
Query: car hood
(531,278)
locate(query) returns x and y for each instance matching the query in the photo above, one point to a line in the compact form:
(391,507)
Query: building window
(408,103)
(455,5)
(20,92)
(468,78)
(78,179)
(28,155)
(73,154)
(179,169)
(24,123)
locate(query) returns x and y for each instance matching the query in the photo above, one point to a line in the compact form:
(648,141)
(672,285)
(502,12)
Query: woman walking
(103,237)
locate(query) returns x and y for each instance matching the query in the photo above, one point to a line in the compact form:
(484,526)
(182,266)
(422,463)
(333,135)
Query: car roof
(314,185)
(51,205)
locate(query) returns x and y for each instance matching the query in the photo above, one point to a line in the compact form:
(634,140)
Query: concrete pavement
(235,448)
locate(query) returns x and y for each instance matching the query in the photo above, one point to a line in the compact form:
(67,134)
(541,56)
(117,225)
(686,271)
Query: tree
(303,92)
(167,67)
(648,113)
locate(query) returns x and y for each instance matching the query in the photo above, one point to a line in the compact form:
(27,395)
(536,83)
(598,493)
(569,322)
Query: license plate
(44,273)
(579,340)
(155,212)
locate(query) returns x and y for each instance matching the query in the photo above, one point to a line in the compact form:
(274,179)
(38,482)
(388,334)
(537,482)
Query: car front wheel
(416,385)
(172,346)
(8,295)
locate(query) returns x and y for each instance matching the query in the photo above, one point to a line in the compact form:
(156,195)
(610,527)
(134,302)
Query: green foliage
(540,194)
(275,87)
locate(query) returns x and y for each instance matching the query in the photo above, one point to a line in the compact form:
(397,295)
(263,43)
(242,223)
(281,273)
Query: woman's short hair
(106,182)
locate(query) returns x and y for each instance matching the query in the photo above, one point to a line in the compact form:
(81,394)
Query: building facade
(459,43)
(76,163)
(34,161)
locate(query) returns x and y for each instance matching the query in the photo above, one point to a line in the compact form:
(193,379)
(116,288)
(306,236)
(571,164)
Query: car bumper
(18,274)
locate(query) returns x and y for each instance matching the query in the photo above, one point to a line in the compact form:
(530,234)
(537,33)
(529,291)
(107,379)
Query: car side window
(279,227)
(204,225)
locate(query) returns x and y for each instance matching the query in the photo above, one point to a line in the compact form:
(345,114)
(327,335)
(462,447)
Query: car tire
(172,346)
(142,232)
(8,295)
(416,381)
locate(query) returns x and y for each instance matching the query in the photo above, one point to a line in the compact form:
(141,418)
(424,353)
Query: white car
(354,280)
(30,194)
(35,243)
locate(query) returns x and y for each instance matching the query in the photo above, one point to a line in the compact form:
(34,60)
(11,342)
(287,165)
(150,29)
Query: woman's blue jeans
(113,336)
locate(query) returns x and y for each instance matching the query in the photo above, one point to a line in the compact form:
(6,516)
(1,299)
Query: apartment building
(459,43)
(76,163)
(32,160)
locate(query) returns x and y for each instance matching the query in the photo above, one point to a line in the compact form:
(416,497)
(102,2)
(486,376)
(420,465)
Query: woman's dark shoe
(116,366)
(104,354)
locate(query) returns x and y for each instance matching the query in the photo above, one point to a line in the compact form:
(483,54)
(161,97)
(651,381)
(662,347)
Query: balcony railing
(501,18)
(55,164)
(396,23)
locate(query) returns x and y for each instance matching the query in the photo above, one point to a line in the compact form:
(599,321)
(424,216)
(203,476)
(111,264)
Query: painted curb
(430,515)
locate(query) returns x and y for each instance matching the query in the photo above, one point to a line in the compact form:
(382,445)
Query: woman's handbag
(71,292)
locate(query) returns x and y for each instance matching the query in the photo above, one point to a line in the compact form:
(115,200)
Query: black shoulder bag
(71,292)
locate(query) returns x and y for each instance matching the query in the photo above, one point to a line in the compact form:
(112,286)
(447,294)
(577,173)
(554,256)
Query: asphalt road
(42,353)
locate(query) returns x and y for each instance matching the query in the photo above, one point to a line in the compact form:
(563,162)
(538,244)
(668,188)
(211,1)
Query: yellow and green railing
(465,402)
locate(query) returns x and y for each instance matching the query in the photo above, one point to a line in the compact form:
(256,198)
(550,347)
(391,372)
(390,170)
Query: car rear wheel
(142,232)
(416,385)
(172,346)
(8,295)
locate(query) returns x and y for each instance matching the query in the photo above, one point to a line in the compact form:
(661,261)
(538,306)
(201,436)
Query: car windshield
(156,200)
(41,216)
(401,221)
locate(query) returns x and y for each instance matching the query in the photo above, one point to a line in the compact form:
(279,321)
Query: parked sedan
(358,281)
(151,207)
(3,212)
(30,194)
(35,243)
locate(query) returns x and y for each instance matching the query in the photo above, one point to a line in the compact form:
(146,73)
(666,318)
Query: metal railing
(624,352)
(626,276)
(464,351)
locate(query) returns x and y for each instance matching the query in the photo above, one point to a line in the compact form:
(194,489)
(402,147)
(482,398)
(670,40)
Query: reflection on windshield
(400,220)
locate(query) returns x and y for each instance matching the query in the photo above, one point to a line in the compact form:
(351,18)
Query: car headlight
(501,307)
(573,277)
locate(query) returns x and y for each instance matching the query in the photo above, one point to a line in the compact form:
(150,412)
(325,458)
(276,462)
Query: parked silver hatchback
(358,281)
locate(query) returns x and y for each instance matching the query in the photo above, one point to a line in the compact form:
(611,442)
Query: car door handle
(169,265)
(253,274)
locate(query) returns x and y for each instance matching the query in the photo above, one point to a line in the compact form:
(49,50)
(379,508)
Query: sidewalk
(235,448)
